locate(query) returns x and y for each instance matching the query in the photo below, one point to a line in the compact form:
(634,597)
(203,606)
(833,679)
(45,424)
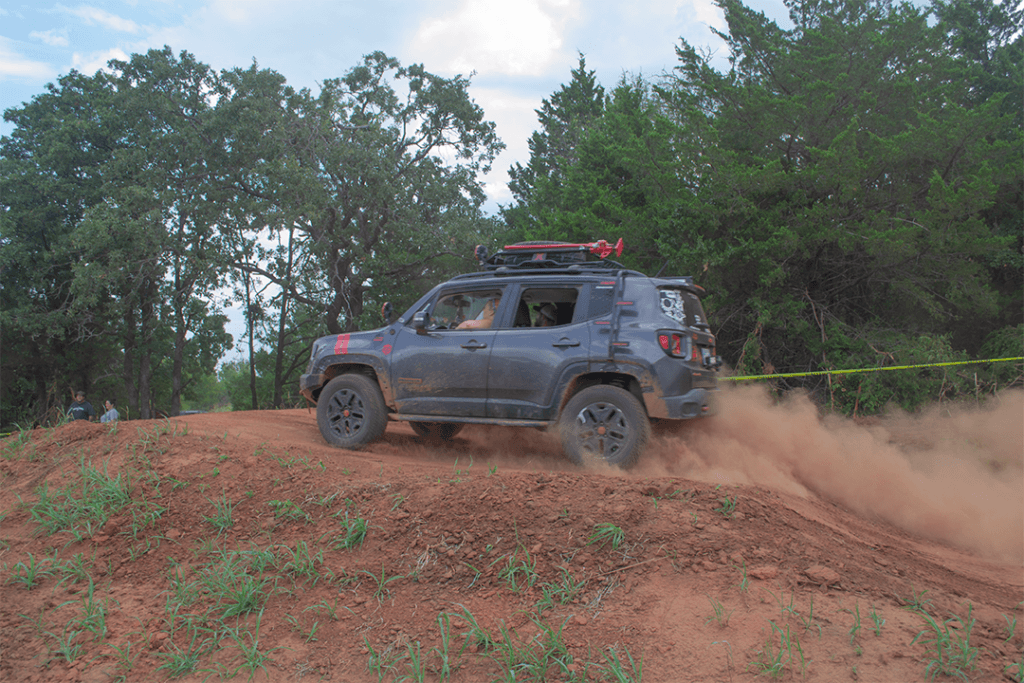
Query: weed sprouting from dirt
(948,648)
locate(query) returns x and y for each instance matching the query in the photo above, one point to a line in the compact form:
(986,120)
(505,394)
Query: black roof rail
(580,269)
(534,255)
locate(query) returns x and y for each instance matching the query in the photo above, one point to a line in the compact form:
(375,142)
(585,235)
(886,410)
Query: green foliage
(565,118)
(84,508)
(720,616)
(1007,342)
(29,573)
(353,533)
(607,533)
(519,570)
(132,197)
(849,192)
(948,648)
(780,651)
(726,506)
(223,516)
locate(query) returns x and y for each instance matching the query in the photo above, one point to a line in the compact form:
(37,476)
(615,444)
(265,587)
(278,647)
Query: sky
(519,51)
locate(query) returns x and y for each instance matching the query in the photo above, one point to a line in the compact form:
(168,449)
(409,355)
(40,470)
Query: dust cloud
(952,474)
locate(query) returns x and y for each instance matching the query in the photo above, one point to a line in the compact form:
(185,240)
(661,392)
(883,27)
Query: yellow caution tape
(850,372)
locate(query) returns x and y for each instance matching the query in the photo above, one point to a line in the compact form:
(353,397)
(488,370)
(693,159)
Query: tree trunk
(131,394)
(282,318)
(146,314)
(252,350)
(279,354)
(178,352)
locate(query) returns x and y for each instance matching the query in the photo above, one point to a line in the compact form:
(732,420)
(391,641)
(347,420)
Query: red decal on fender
(386,350)
(341,346)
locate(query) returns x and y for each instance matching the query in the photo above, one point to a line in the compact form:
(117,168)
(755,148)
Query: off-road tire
(437,431)
(604,424)
(350,412)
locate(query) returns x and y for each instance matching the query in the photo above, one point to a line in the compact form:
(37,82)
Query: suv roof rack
(554,255)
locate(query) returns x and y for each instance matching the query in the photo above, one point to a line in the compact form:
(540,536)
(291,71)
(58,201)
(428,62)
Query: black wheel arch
(621,380)
(367,369)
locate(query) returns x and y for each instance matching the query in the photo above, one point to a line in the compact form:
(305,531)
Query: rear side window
(600,300)
(682,306)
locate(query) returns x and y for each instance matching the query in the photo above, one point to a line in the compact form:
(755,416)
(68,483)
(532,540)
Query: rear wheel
(604,424)
(350,412)
(443,431)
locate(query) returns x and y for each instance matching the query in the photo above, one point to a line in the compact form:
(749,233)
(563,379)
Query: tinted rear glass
(600,301)
(682,306)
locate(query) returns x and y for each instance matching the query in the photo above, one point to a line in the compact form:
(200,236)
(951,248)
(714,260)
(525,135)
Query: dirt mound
(763,541)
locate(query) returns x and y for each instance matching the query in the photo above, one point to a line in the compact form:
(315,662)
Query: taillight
(674,344)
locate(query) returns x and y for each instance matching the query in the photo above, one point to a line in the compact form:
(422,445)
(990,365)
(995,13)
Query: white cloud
(523,38)
(53,37)
(244,11)
(95,16)
(14,65)
(96,61)
(515,118)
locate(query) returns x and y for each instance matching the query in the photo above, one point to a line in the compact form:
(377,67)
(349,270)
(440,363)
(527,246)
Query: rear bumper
(694,403)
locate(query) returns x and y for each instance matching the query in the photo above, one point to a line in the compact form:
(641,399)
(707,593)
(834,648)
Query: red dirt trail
(766,541)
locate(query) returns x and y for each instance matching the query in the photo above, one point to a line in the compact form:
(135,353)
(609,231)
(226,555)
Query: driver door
(440,369)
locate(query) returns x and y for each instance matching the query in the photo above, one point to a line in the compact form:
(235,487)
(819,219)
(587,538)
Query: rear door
(547,338)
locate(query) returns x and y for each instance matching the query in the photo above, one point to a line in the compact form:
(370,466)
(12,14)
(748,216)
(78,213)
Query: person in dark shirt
(81,409)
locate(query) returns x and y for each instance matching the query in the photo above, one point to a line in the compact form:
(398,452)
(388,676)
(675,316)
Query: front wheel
(439,431)
(604,423)
(350,412)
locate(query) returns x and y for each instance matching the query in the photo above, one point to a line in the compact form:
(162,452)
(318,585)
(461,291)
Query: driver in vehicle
(485,319)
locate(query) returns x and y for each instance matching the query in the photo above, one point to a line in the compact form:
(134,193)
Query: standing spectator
(111,414)
(81,409)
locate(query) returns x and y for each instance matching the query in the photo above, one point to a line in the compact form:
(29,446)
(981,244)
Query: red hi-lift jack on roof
(539,251)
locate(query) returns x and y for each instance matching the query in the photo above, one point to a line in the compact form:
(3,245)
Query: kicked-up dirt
(766,541)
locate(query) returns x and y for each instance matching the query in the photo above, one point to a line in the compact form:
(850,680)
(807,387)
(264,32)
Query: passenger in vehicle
(546,316)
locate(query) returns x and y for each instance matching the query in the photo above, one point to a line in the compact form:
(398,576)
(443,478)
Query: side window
(469,309)
(546,307)
(600,300)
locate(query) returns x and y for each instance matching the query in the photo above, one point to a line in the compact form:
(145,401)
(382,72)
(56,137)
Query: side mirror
(387,311)
(420,321)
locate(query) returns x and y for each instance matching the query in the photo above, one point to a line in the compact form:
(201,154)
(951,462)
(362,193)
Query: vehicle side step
(397,417)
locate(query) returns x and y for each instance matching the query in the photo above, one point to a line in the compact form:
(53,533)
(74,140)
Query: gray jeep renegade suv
(540,337)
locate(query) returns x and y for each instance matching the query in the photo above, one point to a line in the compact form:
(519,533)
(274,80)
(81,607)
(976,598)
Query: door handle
(473,345)
(565,343)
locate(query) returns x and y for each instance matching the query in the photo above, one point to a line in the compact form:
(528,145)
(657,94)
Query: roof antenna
(663,267)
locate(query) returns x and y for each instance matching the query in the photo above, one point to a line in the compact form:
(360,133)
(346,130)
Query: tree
(112,200)
(50,175)
(565,119)
(153,244)
(381,163)
(849,191)
(845,214)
